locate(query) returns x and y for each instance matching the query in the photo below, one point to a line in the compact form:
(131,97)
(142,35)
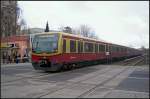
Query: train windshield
(45,43)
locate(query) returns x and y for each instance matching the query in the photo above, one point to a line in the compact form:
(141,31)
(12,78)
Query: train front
(45,48)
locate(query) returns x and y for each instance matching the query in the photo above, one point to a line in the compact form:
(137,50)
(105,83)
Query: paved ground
(100,81)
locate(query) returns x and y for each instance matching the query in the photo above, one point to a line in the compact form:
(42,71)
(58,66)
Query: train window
(91,47)
(72,46)
(96,48)
(118,49)
(107,48)
(125,49)
(110,48)
(101,48)
(121,49)
(64,45)
(114,49)
(88,47)
(80,46)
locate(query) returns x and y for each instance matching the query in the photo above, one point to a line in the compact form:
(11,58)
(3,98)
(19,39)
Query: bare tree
(23,23)
(61,28)
(18,12)
(18,19)
(10,12)
(84,30)
(66,29)
(93,35)
(75,31)
(23,26)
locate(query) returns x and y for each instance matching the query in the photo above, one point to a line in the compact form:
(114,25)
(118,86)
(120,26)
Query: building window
(72,46)
(64,45)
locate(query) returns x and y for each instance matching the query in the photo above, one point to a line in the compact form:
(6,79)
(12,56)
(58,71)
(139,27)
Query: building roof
(15,38)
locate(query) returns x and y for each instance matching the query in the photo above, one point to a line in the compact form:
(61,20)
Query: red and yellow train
(55,51)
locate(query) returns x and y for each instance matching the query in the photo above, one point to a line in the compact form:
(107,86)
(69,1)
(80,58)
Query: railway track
(33,75)
(134,61)
(105,81)
(128,62)
(145,60)
(94,88)
(36,75)
(81,81)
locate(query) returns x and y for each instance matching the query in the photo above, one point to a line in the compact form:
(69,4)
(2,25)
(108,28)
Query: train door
(64,45)
(108,54)
(107,50)
(80,49)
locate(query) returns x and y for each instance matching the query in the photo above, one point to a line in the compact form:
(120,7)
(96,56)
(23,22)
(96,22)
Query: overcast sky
(120,22)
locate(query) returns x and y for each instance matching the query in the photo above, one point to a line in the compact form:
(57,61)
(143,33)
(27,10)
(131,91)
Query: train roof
(82,37)
(74,35)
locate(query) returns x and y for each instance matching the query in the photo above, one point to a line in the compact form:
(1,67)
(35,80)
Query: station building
(19,45)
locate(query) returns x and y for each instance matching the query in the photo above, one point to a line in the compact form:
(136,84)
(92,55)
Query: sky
(120,22)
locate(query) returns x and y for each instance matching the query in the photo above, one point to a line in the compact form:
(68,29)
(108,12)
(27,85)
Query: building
(14,45)
(36,30)
(8,18)
(32,30)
